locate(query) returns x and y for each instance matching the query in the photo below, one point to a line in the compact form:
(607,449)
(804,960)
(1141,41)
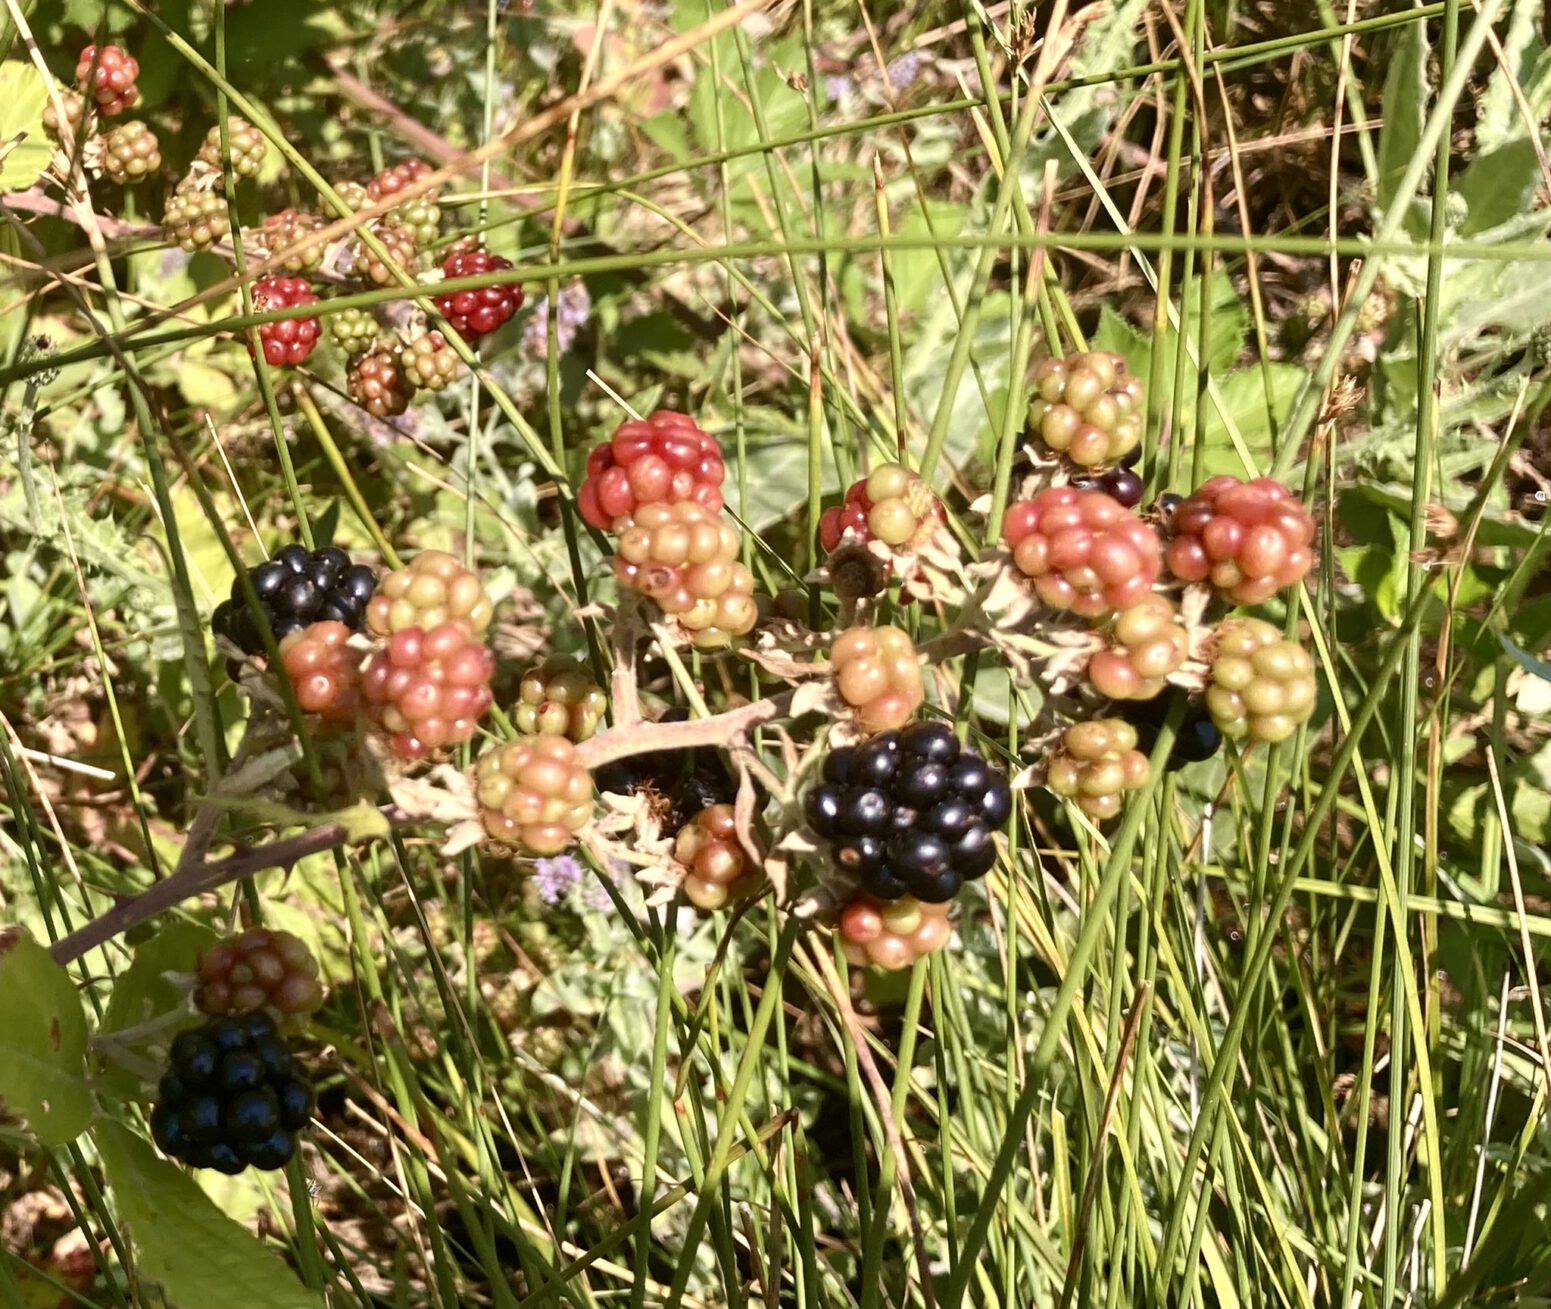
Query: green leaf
(142,991)
(1499,186)
(1539,667)
(1497,107)
(202,1259)
(1405,107)
(42,1044)
(25,148)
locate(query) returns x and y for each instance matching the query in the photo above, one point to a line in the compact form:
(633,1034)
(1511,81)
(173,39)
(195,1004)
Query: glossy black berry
(680,783)
(232,1096)
(1197,739)
(1123,485)
(911,812)
(296,588)
(1132,457)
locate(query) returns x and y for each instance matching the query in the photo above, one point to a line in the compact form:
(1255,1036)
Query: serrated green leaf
(42,1044)
(25,148)
(202,1259)
(1498,112)
(1405,108)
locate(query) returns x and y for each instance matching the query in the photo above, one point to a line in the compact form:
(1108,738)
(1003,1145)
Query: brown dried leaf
(443,795)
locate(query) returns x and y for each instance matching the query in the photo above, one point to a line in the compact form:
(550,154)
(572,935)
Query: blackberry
(1249,539)
(259,969)
(1082,550)
(891,504)
(394,179)
(1149,644)
(717,869)
(428,689)
(431,589)
(375,381)
(911,812)
(534,793)
(290,340)
(878,673)
(398,244)
(421,219)
(196,219)
(892,934)
(430,362)
(1087,407)
(1096,764)
(685,558)
(108,76)
(294,589)
(283,230)
(657,460)
(1119,484)
(474,314)
(681,783)
(233,1097)
(1262,686)
(248,146)
(354,331)
(129,152)
(1198,737)
(75,112)
(559,698)
(324,672)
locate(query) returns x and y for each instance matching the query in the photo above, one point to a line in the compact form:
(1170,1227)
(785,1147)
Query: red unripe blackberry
(233,1096)
(431,589)
(260,969)
(400,246)
(1149,644)
(474,314)
(1098,762)
(1263,686)
(1087,407)
(891,504)
(324,672)
(534,793)
(892,934)
(130,152)
(248,147)
(429,689)
(284,229)
(878,673)
(1084,551)
(718,871)
(559,698)
(376,382)
(394,179)
(430,362)
(108,76)
(1249,539)
(196,220)
(290,340)
(685,558)
(654,460)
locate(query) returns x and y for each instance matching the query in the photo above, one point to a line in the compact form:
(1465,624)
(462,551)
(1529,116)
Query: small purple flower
(575,307)
(904,69)
(837,86)
(555,879)
(595,894)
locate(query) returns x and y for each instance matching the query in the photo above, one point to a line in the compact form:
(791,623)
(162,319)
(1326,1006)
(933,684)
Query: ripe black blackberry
(296,588)
(233,1096)
(1198,737)
(911,812)
(681,783)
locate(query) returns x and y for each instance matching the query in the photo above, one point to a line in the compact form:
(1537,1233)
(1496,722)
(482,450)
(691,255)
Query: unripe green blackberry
(433,588)
(534,793)
(376,382)
(1087,407)
(130,152)
(559,698)
(196,220)
(75,112)
(285,229)
(354,330)
(248,147)
(1262,686)
(1098,762)
(420,218)
(352,193)
(1149,644)
(430,362)
(370,267)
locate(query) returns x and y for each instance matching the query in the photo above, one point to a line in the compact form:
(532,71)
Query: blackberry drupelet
(295,589)
(1198,737)
(911,812)
(233,1096)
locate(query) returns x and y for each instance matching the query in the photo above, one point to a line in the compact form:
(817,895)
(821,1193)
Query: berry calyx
(285,229)
(534,793)
(891,504)
(878,673)
(1263,686)
(290,340)
(129,153)
(1083,550)
(474,314)
(195,219)
(432,589)
(559,698)
(685,558)
(892,934)
(259,969)
(428,689)
(248,147)
(375,380)
(717,869)
(655,460)
(354,331)
(107,74)
(1087,407)
(911,812)
(1149,644)
(1249,539)
(233,1096)
(431,363)
(296,588)
(324,672)
(1097,763)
